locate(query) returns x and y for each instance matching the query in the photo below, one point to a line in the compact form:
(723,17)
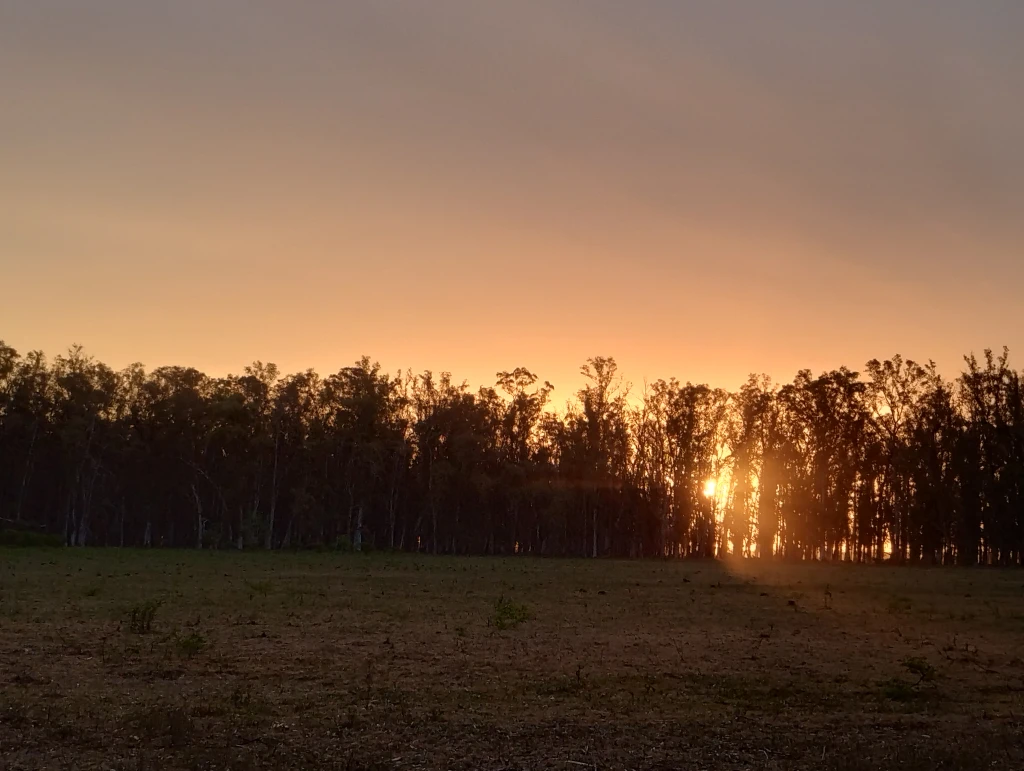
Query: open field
(398,662)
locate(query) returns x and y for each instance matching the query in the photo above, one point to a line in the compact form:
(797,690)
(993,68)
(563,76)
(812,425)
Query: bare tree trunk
(27,472)
(393,506)
(70,529)
(391,522)
(286,542)
(200,522)
(433,520)
(268,541)
(83,522)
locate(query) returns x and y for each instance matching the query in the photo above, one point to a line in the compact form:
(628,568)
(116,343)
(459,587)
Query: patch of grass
(262,588)
(508,614)
(26,539)
(191,645)
(895,689)
(916,665)
(140,617)
(899,605)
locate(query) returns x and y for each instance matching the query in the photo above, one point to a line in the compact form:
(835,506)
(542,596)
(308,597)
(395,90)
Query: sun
(709,488)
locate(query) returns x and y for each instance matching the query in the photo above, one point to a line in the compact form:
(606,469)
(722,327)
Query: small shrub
(509,614)
(916,665)
(895,689)
(191,645)
(140,618)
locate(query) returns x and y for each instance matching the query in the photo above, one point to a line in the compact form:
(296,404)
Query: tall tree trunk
(268,541)
(200,522)
(27,472)
(83,522)
(391,522)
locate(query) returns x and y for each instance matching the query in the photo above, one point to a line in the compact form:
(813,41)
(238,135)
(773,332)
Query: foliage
(140,617)
(29,539)
(916,665)
(190,645)
(895,463)
(895,689)
(263,588)
(508,614)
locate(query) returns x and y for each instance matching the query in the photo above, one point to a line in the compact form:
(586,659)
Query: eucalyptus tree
(453,434)
(522,468)
(991,526)
(898,463)
(593,446)
(695,430)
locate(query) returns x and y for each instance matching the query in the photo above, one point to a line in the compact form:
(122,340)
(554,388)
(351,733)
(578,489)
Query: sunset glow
(539,379)
(471,186)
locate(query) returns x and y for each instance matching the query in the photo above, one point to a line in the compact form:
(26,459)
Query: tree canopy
(895,462)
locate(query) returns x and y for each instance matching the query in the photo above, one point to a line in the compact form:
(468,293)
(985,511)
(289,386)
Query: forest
(892,463)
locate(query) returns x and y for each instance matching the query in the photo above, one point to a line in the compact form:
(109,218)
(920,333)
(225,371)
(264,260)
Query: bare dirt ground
(257,661)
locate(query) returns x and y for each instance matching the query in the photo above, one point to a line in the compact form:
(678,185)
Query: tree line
(893,463)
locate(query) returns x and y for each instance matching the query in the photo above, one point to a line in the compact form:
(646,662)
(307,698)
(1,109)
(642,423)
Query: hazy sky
(700,189)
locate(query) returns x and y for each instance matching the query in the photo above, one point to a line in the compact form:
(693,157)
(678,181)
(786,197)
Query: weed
(350,721)
(916,665)
(92,591)
(508,614)
(899,605)
(140,617)
(191,645)
(259,587)
(241,698)
(29,539)
(563,685)
(895,689)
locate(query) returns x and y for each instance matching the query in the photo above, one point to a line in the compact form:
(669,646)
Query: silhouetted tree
(898,464)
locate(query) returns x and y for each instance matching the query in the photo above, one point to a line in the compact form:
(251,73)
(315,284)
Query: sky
(699,189)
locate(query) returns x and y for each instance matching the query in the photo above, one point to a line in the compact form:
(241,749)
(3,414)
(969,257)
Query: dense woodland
(892,463)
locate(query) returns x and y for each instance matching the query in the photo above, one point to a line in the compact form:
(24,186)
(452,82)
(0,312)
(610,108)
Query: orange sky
(700,190)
